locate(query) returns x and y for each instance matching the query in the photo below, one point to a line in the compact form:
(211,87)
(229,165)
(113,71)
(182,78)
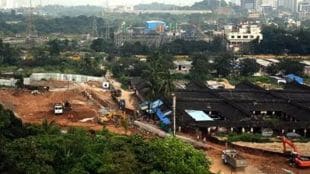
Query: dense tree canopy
(184,47)
(280,41)
(248,67)
(8,55)
(44,149)
(201,70)
(288,66)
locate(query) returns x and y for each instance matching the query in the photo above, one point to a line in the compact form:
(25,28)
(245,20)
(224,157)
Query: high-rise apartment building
(248,4)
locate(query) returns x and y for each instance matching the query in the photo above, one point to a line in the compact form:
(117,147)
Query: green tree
(288,66)
(157,75)
(223,64)
(248,67)
(8,55)
(273,69)
(54,47)
(173,156)
(201,68)
(102,45)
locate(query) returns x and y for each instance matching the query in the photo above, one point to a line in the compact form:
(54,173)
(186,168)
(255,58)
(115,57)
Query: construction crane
(295,158)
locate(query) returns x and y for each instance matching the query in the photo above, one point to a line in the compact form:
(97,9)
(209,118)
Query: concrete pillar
(231,129)
(243,130)
(174,113)
(283,131)
(179,128)
(204,139)
(305,132)
(209,131)
(294,130)
(252,130)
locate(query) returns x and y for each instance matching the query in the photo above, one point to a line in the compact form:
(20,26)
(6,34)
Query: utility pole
(174,113)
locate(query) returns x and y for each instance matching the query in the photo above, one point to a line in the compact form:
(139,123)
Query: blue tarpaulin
(294,78)
(155,107)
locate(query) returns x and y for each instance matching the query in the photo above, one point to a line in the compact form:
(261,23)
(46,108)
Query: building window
(245,37)
(252,37)
(232,37)
(239,37)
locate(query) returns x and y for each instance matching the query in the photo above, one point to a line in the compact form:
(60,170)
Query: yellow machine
(115,116)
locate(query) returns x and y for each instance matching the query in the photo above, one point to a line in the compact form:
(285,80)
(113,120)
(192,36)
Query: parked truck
(232,158)
(58,109)
(61,108)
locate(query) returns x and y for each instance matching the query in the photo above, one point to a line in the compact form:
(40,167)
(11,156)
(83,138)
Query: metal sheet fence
(8,82)
(66,77)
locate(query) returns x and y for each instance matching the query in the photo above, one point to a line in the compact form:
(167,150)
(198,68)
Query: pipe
(162,134)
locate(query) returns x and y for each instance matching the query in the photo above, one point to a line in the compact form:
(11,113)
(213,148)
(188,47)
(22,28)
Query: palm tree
(158,78)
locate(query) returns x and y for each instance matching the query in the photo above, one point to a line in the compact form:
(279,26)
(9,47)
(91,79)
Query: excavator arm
(285,142)
(299,160)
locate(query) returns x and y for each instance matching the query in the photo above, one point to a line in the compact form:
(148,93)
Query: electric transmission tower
(107,25)
(94,28)
(30,27)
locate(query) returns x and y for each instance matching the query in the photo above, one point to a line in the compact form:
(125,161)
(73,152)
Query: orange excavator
(295,158)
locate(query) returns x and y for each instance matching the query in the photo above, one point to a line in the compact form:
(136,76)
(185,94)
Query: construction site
(86,105)
(96,103)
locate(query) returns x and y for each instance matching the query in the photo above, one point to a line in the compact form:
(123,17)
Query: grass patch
(307,80)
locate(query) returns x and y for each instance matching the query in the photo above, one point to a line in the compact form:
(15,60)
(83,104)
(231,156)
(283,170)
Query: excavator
(115,116)
(295,159)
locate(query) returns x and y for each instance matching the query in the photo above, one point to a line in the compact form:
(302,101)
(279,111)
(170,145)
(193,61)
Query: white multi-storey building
(236,36)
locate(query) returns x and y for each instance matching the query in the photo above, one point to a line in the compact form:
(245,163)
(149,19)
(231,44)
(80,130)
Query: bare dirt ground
(36,108)
(303,148)
(258,163)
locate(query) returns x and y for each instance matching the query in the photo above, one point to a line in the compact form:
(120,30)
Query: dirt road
(128,96)
(258,163)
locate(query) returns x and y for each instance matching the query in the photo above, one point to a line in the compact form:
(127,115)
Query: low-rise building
(236,36)
(307,67)
(182,66)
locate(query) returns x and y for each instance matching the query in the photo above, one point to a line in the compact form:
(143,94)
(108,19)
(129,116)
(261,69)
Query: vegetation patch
(247,137)
(45,149)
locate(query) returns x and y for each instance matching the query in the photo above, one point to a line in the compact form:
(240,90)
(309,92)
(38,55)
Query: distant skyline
(19,3)
(121,2)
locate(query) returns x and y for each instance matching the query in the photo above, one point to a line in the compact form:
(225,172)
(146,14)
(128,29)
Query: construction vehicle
(232,158)
(60,108)
(116,94)
(115,116)
(295,159)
